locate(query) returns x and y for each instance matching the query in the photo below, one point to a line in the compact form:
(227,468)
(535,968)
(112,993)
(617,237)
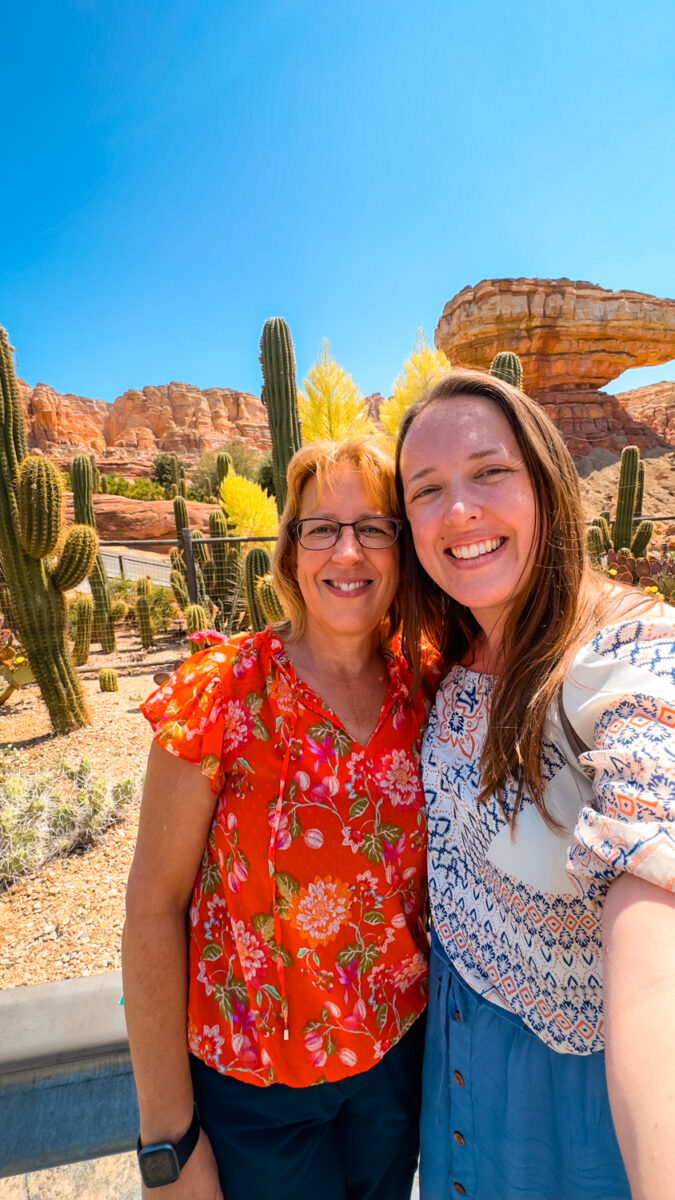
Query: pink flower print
(302,779)
(212,636)
(392,858)
(322,751)
(245,1051)
(368,883)
(238,725)
(203,978)
(409,971)
(347,977)
(351,837)
(243,663)
(399,778)
(211,1042)
(381,1048)
(355,769)
(242,1016)
(253,952)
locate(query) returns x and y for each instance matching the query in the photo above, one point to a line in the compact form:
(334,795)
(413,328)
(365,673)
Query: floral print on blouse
(308,950)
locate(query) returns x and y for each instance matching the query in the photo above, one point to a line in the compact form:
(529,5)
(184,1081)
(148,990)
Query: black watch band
(162,1162)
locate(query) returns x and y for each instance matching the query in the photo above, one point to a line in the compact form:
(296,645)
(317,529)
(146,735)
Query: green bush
(137,489)
(161,471)
(44,814)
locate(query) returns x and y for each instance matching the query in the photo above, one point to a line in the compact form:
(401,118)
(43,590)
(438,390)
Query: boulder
(119,519)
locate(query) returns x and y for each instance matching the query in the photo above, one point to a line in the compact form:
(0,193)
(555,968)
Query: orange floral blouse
(308,950)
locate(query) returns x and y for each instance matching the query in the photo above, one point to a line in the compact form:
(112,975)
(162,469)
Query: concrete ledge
(66,1087)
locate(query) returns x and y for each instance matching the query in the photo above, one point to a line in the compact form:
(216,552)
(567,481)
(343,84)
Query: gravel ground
(66,921)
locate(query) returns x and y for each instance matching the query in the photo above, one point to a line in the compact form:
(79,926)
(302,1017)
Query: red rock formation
(122,520)
(572,338)
(140,424)
(654,406)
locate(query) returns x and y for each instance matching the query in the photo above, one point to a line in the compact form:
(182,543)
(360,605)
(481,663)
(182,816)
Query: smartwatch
(162,1163)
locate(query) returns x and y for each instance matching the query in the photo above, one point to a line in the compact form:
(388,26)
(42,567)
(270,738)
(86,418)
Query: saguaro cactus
(34,584)
(507,366)
(223,464)
(83,483)
(280,399)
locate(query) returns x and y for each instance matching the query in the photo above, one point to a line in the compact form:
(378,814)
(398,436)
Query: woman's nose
(347,546)
(461,507)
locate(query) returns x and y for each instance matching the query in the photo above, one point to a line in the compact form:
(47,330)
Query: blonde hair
(322,461)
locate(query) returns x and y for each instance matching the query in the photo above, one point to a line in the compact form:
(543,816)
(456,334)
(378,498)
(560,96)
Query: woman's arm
(639,1008)
(175,818)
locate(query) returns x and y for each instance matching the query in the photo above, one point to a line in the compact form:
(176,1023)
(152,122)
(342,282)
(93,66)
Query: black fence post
(121,562)
(190,573)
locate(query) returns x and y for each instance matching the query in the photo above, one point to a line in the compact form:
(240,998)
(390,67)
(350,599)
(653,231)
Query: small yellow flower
(612,570)
(19,660)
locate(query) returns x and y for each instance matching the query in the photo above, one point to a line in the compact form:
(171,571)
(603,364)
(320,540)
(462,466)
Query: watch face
(159,1165)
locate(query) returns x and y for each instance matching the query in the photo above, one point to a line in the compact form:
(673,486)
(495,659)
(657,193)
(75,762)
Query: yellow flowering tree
(331,405)
(249,511)
(421,371)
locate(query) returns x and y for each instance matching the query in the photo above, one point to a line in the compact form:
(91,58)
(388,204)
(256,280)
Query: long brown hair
(557,606)
(322,461)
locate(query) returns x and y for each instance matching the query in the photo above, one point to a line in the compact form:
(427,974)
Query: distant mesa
(140,424)
(572,338)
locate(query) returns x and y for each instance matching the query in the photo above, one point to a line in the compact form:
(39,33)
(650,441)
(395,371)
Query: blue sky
(174,173)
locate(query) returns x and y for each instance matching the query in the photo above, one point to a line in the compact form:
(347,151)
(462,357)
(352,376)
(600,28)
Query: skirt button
(459,1078)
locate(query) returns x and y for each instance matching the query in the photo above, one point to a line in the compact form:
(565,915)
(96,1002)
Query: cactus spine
(84,617)
(280,399)
(180,515)
(641,539)
(256,565)
(595,544)
(196,618)
(144,622)
(507,366)
(39,496)
(107,679)
(37,602)
(83,480)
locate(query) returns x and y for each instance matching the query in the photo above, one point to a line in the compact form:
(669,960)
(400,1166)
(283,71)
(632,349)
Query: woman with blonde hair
(275,955)
(549,772)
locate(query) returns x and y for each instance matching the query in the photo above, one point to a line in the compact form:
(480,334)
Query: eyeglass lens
(372,532)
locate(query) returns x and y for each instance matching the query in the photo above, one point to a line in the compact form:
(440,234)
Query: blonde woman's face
(347,588)
(470,504)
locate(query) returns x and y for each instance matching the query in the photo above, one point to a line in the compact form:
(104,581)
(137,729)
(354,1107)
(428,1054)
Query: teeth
(347,587)
(476,549)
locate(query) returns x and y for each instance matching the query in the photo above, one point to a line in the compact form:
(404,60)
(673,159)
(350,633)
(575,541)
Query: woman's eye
(490,471)
(424,492)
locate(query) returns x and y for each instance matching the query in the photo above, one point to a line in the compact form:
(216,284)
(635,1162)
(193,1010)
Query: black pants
(353,1140)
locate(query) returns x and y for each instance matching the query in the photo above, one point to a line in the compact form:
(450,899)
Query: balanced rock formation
(572,338)
(140,424)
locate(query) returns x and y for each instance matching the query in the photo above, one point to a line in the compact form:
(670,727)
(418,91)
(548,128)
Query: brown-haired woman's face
(470,504)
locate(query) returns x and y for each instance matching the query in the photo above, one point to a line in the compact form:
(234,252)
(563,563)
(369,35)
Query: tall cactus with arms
(29,536)
(83,482)
(280,399)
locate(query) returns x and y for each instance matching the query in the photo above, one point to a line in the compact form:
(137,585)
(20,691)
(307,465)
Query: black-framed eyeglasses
(320,533)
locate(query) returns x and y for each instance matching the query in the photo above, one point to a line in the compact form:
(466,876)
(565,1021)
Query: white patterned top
(520,917)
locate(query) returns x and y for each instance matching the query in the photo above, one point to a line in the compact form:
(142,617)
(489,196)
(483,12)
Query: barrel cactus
(107,679)
(143,585)
(507,366)
(223,465)
(269,601)
(279,396)
(34,583)
(83,479)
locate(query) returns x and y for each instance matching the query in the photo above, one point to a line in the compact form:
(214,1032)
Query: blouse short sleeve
(188,713)
(620,697)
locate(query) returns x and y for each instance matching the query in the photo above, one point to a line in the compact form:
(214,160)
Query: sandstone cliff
(140,424)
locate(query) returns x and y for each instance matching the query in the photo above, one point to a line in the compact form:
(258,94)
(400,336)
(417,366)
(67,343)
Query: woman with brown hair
(549,771)
(275,955)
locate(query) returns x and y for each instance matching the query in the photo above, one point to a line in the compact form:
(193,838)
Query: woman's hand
(198,1179)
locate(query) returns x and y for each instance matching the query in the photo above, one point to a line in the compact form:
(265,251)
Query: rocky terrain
(174,416)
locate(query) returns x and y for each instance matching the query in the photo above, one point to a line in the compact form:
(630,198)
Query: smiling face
(347,589)
(471,505)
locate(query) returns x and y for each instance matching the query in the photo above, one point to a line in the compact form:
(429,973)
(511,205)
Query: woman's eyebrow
(470,457)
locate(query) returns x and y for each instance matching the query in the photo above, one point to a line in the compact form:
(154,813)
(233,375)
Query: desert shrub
(245,461)
(265,475)
(161,469)
(137,489)
(54,812)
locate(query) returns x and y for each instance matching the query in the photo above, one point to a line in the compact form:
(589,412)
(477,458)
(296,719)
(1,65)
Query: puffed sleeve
(188,712)
(620,697)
